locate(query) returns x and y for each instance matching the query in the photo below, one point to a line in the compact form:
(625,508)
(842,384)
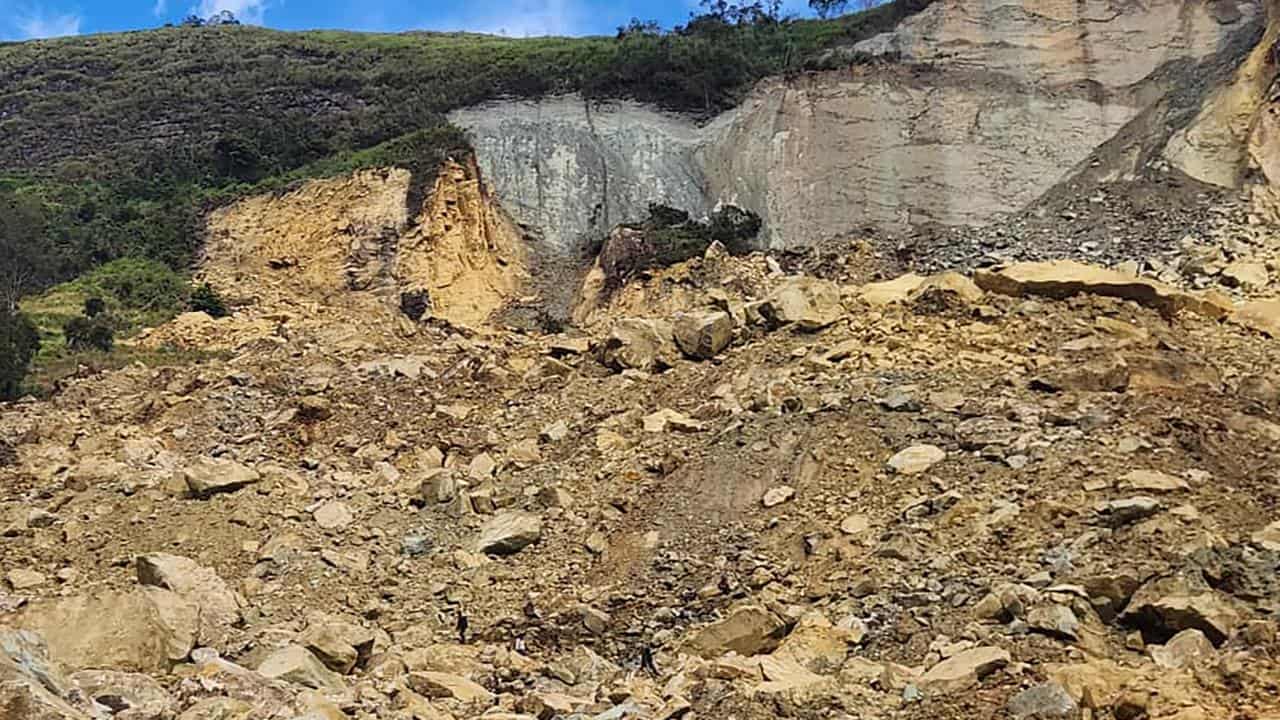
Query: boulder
(1118,513)
(508,533)
(749,630)
(1047,701)
(207,476)
(1246,275)
(889,292)
(1056,621)
(147,630)
(1065,278)
(778,495)
(1166,606)
(297,665)
(129,695)
(220,708)
(1183,650)
(703,335)
(439,685)
(339,645)
(200,586)
(917,459)
(638,344)
(1262,316)
(1268,538)
(963,670)
(334,515)
(31,687)
(23,579)
(803,302)
(817,645)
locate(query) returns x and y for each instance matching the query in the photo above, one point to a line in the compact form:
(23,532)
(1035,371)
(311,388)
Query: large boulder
(749,630)
(638,344)
(219,607)
(803,302)
(508,533)
(147,630)
(1262,315)
(440,685)
(703,335)
(1065,278)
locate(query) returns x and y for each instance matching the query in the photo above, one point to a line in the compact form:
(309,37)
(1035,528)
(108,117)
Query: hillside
(936,381)
(119,142)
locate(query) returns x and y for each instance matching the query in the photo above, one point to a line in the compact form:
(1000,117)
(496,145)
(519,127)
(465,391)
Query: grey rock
(1048,701)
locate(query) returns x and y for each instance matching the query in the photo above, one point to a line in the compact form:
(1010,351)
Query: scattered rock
(1152,481)
(23,579)
(1047,701)
(703,335)
(334,515)
(1184,649)
(1118,513)
(508,533)
(749,630)
(295,664)
(1168,605)
(637,344)
(963,670)
(207,476)
(917,459)
(855,525)
(667,419)
(807,303)
(777,496)
(445,686)
(128,695)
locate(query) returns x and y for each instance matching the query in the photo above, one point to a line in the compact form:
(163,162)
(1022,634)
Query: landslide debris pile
(1048,491)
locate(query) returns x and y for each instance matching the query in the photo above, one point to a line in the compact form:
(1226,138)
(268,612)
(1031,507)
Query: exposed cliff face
(997,102)
(349,247)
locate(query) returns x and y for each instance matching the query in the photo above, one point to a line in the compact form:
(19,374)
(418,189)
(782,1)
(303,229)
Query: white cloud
(160,8)
(36,23)
(246,11)
(521,18)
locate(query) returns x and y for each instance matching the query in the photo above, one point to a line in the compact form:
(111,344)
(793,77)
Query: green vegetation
(668,236)
(18,344)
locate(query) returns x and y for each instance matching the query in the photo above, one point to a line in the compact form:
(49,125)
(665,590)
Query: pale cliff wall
(997,102)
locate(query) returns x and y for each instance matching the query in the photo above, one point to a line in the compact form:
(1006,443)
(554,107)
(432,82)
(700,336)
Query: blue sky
(25,19)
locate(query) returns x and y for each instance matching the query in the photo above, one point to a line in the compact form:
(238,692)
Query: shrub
(207,300)
(94,306)
(84,333)
(19,342)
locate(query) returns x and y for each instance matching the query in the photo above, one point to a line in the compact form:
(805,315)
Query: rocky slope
(992,105)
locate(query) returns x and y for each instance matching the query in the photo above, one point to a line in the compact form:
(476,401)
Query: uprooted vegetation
(669,236)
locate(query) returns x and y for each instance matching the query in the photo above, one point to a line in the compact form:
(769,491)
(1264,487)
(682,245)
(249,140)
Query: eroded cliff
(992,104)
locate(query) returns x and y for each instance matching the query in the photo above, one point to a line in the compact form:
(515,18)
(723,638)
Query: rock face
(1016,94)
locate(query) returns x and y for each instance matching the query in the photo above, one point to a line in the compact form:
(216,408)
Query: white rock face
(1015,95)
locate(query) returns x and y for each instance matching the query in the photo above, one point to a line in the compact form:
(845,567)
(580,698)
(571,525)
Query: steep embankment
(345,259)
(994,104)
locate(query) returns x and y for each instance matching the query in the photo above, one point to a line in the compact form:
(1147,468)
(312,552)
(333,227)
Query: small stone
(414,545)
(917,459)
(555,432)
(855,525)
(1055,620)
(667,419)
(1118,513)
(595,620)
(777,496)
(1152,481)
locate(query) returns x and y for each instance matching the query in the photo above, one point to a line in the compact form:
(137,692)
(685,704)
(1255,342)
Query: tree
(84,333)
(26,262)
(94,306)
(225,17)
(206,300)
(19,342)
(193,21)
(830,8)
